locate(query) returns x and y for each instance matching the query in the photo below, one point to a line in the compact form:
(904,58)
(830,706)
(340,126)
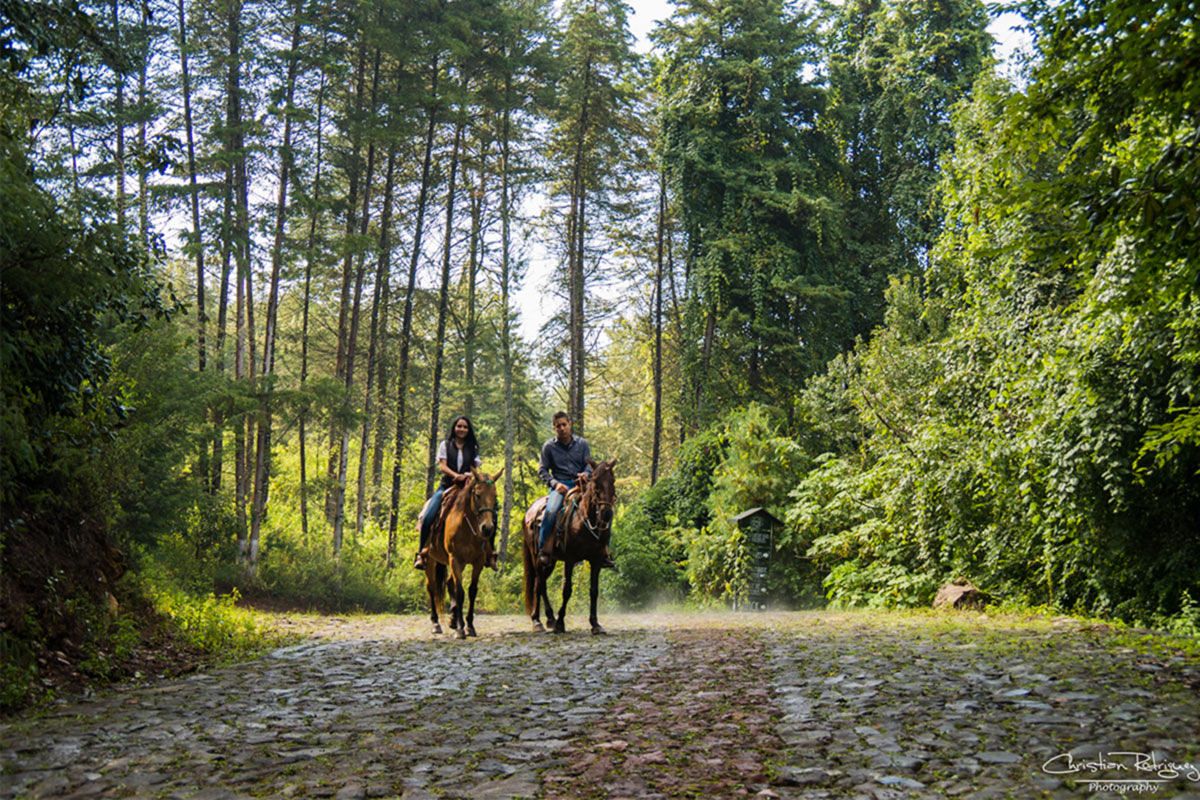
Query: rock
(898,781)
(521,785)
(960,594)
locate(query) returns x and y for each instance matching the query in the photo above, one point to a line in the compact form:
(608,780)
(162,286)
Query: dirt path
(770,705)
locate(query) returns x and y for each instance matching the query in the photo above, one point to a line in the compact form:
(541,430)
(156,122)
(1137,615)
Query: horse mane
(589,490)
(464,491)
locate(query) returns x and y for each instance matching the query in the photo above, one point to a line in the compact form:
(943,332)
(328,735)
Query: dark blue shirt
(562,462)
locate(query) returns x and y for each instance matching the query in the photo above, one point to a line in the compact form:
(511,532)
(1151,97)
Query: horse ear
(496,477)
(591,463)
(612,463)
(475,472)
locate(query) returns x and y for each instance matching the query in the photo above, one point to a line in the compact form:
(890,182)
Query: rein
(469,506)
(597,529)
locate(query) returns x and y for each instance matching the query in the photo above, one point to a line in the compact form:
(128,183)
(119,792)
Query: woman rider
(456,455)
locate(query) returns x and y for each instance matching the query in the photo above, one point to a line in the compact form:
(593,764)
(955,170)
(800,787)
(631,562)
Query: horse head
(481,499)
(603,492)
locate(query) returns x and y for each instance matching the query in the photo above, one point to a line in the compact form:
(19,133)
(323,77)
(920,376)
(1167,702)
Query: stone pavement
(801,705)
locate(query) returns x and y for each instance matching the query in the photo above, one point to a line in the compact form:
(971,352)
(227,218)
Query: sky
(535,301)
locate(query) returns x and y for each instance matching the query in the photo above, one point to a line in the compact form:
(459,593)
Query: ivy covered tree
(896,70)
(754,176)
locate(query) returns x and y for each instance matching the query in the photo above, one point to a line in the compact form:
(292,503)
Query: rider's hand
(581,477)
(561,488)
(460,477)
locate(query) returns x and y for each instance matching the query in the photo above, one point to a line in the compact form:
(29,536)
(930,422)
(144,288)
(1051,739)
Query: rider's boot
(546,554)
(419,561)
(606,561)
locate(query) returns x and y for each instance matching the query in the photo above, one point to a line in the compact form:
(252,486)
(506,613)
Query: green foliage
(212,623)
(18,670)
(1028,411)
(752,175)
(650,572)
(304,576)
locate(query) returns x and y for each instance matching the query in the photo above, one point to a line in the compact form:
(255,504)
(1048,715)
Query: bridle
(477,512)
(600,527)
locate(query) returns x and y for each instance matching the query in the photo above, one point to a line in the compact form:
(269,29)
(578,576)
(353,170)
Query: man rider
(564,463)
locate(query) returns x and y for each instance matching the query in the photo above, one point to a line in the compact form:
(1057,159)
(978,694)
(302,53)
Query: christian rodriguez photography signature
(1122,770)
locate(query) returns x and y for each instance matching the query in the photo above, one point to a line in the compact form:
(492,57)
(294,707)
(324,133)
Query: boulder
(960,594)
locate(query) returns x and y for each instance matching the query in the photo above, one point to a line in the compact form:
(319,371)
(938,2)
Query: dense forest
(826,259)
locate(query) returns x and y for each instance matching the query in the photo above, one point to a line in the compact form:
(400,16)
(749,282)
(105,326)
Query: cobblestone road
(812,705)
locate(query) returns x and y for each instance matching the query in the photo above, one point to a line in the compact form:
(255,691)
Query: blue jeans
(431,514)
(553,506)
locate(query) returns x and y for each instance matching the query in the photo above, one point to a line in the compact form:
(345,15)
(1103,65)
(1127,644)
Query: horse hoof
(460,634)
(471,631)
(598,631)
(560,628)
(538,627)
(437,628)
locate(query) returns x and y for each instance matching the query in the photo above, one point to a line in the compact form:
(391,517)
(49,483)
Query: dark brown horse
(582,532)
(463,540)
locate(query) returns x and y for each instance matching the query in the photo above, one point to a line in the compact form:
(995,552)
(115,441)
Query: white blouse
(441,456)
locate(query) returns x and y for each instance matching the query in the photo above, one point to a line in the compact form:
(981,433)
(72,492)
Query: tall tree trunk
(351,350)
(197,238)
(219,414)
(676,325)
(143,197)
(443,310)
(575,264)
(381,279)
(119,111)
(656,450)
(74,150)
(381,385)
(578,354)
(406,324)
(472,274)
(710,329)
(262,460)
(310,248)
(505,318)
(353,177)
(243,358)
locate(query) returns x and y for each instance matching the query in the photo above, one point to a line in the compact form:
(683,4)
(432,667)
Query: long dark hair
(470,441)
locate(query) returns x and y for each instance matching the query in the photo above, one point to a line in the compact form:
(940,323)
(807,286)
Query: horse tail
(530,577)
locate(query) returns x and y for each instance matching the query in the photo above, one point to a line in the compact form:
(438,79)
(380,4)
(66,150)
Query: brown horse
(462,539)
(582,533)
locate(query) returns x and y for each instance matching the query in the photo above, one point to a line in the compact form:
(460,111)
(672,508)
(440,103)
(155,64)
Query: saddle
(448,499)
(537,511)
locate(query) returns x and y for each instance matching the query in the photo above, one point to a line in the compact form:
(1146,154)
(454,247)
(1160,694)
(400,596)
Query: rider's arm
(443,465)
(586,455)
(544,468)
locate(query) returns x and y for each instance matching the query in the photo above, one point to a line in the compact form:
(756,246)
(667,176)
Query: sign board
(759,527)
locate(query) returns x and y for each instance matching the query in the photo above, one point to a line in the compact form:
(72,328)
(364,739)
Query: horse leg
(544,574)
(595,590)
(433,586)
(533,601)
(568,568)
(456,568)
(471,601)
